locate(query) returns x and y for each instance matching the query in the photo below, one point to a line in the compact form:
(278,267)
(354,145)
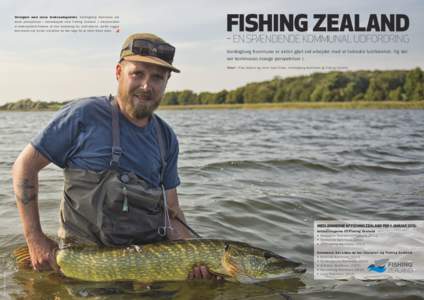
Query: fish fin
(22,257)
(230,266)
(224,276)
(230,279)
(245,279)
(140,286)
(233,266)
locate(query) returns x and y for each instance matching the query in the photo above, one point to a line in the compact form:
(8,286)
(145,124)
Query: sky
(63,66)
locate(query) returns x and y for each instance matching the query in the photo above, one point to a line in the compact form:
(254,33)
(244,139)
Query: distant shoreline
(389,89)
(306,105)
(284,105)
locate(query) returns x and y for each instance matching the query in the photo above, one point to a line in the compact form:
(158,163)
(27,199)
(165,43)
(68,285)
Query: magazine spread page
(212,149)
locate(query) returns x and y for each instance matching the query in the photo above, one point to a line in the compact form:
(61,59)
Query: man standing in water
(119,161)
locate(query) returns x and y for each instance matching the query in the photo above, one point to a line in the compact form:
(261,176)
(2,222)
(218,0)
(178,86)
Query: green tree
(170,98)
(396,95)
(235,96)
(220,97)
(414,82)
(186,97)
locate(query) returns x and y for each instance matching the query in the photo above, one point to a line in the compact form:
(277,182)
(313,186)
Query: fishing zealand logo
(379,265)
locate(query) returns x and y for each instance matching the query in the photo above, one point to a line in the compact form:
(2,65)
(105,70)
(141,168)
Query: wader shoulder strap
(161,141)
(116,144)
(160,138)
(167,223)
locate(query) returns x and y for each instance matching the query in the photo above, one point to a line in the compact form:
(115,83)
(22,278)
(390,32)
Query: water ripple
(261,177)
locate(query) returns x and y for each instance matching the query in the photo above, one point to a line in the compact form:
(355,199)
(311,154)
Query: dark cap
(148,48)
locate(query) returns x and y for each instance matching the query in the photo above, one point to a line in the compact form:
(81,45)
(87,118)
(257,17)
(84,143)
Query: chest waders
(111,207)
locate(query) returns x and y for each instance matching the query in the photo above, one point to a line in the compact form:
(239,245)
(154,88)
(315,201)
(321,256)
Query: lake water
(259,176)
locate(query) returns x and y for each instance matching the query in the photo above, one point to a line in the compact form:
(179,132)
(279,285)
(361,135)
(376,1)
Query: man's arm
(25,184)
(181,232)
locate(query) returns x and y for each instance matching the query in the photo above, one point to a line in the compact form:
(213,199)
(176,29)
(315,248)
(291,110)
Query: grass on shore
(308,105)
(283,105)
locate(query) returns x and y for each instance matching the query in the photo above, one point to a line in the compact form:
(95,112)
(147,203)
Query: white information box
(369,250)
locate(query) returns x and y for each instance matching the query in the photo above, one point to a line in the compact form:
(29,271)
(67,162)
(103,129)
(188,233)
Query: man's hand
(201,272)
(43,252)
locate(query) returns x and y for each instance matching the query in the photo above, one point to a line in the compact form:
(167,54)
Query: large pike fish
(171,261)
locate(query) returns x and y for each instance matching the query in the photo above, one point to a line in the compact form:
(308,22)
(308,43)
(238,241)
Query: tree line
(394,85)
(29,104)
(397,85)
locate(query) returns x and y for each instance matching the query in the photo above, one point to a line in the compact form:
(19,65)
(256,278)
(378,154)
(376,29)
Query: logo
(379,265)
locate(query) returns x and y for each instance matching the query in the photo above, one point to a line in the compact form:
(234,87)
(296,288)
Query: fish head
(249,264)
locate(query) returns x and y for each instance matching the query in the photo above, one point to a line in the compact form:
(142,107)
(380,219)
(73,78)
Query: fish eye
(226,246)
(267,255)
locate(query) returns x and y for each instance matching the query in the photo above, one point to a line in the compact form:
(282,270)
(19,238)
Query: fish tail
(22,257)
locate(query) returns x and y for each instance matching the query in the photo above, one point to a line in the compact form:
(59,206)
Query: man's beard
(139,108)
